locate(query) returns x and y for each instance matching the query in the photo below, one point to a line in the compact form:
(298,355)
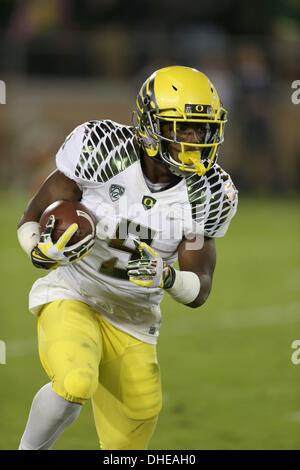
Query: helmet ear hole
(174,88)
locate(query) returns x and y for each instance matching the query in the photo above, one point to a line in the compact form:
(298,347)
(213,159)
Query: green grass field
(226,368)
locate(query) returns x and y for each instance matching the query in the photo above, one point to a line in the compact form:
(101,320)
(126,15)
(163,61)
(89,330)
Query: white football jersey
(103,158)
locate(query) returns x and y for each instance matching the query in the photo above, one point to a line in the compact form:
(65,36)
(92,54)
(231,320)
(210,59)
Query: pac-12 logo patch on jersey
(148,202)
(116,191)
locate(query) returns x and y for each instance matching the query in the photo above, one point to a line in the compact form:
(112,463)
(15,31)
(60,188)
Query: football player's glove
(49,255)
(150,270)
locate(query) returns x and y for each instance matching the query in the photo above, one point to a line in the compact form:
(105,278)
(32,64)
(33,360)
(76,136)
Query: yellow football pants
(86,357)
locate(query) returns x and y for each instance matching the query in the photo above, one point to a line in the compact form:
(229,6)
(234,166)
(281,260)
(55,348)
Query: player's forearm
(28,235)
(56,187)
(187,287)
(32,212)
(28,232)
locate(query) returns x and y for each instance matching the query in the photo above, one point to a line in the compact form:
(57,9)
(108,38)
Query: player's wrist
(169,275)
(184,286)
(28,236)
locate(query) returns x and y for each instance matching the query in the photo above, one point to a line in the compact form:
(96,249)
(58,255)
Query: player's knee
(81,383)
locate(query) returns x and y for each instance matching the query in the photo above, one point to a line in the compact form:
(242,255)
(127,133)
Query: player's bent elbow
(196,303)
(201,299)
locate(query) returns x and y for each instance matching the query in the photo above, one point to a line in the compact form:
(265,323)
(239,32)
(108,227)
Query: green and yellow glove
(150,270)
(49,255)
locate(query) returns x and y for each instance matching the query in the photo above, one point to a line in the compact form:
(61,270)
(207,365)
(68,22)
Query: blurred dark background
(68,61)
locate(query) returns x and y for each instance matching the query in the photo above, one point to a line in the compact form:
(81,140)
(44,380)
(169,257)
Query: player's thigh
(70,347)
(140,383)
(128,399)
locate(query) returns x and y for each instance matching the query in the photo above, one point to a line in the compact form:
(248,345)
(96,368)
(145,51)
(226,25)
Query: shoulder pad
(213,199)
(107,149)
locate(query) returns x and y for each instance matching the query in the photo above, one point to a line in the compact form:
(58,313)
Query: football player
(158,196)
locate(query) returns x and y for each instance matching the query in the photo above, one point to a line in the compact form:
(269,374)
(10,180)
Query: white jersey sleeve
(69,154)
(96,151)
(213,200)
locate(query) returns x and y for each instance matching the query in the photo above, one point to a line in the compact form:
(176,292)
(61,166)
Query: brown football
(67,213)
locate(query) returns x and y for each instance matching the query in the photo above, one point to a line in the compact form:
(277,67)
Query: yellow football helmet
(179,95)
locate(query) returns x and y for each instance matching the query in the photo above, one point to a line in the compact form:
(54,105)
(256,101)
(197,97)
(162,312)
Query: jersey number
(109,267)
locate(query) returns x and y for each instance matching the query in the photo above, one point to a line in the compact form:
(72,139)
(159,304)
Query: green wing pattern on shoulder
(213,199)
(108,148)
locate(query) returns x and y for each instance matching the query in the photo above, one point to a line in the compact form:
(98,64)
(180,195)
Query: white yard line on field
(270,315)
(240,319)
(295,416)
(21,348)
